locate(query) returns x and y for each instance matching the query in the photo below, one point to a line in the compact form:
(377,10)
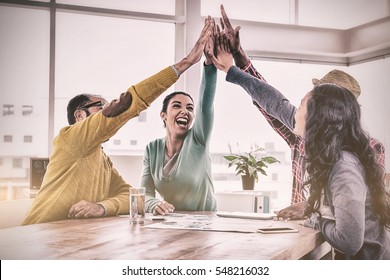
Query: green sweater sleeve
(205,110)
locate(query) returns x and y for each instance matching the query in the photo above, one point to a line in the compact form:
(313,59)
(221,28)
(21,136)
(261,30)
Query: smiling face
(179,115)
(301,116)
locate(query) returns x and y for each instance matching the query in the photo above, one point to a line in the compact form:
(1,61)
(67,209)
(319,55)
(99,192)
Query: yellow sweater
(80,170)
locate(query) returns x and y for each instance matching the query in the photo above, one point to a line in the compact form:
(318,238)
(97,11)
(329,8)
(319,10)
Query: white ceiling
(325,31)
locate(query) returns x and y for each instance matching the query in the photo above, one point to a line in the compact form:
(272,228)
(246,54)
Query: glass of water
(137,205)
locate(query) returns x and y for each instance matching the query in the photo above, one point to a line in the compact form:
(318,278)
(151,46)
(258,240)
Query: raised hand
(233,35)
(223,58)
(197,51)
(210,45)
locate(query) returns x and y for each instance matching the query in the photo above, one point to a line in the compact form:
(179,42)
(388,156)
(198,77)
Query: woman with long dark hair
(348,201)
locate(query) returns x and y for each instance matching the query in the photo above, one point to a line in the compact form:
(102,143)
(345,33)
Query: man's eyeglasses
(93,104)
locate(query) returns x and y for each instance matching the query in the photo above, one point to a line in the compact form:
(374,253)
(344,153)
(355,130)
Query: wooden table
(114,238)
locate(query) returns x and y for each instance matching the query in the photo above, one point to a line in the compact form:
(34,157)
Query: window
(17,163)
(8,110)
(24,79)
(103,52)
(8,138)
(27,110)
(3,193)
(27,139)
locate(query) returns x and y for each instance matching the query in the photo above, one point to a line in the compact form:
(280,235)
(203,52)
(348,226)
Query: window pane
(27,110)
(27,139)
(8,110)
(17,163)
(166,7)
(24,79)
(105,56)
(8,138)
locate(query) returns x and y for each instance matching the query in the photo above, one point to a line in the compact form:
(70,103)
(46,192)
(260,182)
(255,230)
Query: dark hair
(169,97)
(332,126)
(75,103)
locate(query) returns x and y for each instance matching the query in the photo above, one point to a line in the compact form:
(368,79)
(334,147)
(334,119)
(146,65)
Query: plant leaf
(249,163)
(230,158)
(269,159)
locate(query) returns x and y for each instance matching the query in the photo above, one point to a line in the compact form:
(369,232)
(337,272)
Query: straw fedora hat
(340,78)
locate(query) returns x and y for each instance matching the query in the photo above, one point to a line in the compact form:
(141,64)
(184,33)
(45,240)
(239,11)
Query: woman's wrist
(207,62)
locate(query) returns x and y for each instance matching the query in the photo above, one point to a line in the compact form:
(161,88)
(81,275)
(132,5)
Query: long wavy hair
(332,126)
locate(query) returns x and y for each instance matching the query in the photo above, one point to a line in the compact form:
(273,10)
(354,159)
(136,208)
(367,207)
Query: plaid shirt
(297,145)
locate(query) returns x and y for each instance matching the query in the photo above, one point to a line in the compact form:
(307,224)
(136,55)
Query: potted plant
(248,164)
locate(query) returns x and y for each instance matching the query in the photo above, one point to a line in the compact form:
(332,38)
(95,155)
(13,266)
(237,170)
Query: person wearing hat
(340,78)
(279,113)
(349,202)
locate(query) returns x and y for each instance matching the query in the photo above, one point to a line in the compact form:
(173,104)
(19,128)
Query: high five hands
(223,43)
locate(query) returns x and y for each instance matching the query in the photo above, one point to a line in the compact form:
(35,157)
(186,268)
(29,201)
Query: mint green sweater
(189,185)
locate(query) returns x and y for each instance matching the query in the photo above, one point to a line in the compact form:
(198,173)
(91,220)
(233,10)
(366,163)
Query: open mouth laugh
(182,122)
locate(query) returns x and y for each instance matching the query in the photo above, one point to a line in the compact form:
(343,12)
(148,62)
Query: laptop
(246,215)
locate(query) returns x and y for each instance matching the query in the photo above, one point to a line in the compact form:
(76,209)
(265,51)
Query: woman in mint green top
(178,166)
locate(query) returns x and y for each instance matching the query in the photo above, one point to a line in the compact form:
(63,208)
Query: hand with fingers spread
(233,35)
(223,58)
(196,53)
(84,209)
(210,44)
(163,208)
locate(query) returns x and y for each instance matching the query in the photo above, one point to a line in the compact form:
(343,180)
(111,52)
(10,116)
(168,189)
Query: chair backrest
(37,172)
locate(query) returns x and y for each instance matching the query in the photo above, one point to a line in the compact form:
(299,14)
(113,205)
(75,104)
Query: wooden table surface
(114,238)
